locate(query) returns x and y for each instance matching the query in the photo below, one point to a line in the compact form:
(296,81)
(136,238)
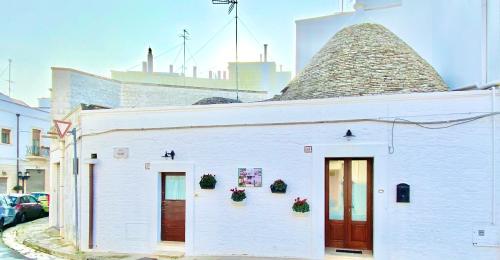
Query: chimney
(218,75)
(144,66)
(265,52)
(210,74)
(194,71)
(171,68)
(150,60)
(224,75)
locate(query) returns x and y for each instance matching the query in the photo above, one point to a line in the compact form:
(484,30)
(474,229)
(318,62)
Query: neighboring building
(254,76)
(139,199)
(33,148)
(460,39)
(70,88)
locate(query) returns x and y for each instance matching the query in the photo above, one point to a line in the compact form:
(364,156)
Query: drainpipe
(17,151)
(493,162)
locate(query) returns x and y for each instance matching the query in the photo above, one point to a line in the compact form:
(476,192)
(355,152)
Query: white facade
(460,39)
(452,172)
(33,156)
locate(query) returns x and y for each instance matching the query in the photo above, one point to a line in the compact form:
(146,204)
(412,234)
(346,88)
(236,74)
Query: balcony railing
(39,151)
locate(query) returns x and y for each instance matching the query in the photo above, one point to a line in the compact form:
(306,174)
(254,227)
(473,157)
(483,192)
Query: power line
(177,56)
(192,57)
(249,31)
(213,37)
(4,70)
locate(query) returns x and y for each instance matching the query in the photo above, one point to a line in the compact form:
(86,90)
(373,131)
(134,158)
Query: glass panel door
(336,190)
(359,189)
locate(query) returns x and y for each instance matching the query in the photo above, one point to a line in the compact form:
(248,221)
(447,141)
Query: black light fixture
(23,176)
(349,134)
(171,154)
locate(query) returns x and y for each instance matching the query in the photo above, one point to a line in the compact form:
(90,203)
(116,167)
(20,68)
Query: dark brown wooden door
(173,206)
(348,203)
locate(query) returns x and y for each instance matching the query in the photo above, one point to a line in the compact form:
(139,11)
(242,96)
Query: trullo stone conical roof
(364,59)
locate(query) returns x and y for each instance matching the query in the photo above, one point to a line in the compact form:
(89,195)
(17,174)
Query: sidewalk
(35,240)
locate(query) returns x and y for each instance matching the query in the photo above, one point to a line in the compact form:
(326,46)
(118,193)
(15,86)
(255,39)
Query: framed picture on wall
(249,177)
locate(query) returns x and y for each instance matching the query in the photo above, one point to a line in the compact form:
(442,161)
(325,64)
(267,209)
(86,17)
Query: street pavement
(7,254)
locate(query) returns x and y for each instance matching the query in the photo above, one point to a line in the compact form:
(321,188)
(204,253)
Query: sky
(98,36)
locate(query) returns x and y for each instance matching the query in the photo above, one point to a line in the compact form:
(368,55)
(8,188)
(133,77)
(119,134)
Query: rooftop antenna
(185,36)
(232,4)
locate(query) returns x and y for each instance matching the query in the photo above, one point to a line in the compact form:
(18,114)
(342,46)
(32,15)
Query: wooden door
(348,203)
(173,206)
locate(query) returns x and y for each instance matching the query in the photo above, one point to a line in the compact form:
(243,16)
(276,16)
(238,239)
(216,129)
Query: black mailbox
(403,193)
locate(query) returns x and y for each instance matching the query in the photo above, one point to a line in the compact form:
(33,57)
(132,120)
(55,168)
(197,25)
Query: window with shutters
(5,136)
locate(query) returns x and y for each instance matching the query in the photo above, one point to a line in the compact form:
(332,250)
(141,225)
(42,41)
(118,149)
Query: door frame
(155,169)
(381,197)
(348,197)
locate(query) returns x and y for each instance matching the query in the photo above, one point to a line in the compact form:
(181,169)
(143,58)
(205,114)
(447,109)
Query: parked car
(44,199)
(26,207)
(7,212)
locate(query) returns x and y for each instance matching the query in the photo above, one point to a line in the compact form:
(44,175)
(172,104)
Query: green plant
(300,205)
(238,195)
(18,188)
(279,186)
(208,181)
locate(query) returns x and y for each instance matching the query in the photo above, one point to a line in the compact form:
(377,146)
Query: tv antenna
(185,37)
(233,4)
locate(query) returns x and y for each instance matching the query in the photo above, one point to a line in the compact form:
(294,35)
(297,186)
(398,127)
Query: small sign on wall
(250,177)
(308,149)
(120,152)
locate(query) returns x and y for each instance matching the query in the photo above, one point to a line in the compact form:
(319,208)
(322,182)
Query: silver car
(7,212)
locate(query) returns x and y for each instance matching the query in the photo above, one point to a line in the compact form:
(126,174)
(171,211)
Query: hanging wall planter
(300,206)
(238,195)
(208,182)
(279,186)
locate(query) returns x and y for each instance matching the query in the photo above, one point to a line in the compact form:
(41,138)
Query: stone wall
(150,95)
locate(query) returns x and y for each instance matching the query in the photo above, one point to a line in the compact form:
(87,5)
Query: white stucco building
(460,39)
(391,163)
(33,148)
(452,173)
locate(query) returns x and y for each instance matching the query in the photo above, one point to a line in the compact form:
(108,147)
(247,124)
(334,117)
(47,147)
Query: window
(13,199)
(5,136)
(25,199)
(32,199)
(35,149)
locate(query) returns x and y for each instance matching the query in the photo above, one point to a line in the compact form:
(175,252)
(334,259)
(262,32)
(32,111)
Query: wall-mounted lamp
(171,154)
(93,156)
(24,177)
(349,134)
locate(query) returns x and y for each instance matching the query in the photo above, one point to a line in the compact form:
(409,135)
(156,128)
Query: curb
(10,239)
(37,247)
